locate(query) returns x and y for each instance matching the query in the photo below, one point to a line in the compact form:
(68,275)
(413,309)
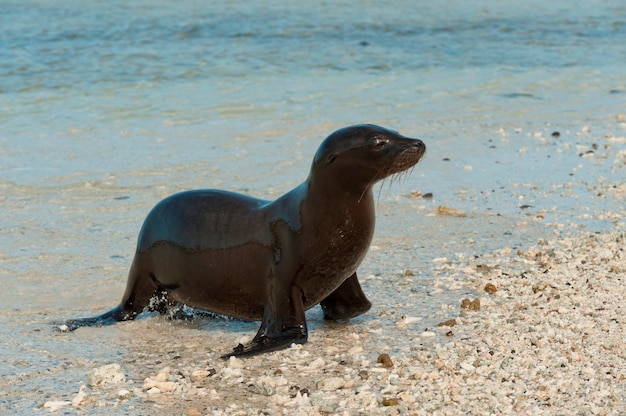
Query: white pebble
(234,362)
(355,350)
(124,394)
(80,397)
(54,406)
(107,374)
(317,363)
(163,375)
(331,384)
(164,386)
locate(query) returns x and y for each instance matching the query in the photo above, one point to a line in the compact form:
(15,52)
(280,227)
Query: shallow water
(108,107)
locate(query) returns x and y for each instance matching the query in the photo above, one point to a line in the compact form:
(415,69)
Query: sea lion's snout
(408,152)
(417,146)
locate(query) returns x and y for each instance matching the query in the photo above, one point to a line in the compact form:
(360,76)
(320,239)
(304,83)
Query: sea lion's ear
(330,159)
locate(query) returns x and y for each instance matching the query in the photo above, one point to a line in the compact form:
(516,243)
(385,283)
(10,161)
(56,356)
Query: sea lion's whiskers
(403,158)
(375,179)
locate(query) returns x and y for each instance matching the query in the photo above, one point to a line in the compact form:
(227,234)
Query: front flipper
(283,324)
(347,301)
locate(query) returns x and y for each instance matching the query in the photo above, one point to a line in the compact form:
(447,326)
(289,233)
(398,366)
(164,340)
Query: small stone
(163,375)
(54,406)
(409,273)
(407,320)
(452,212)
(162,386)
(355,350)
(228,372)
(472,305)
(294,391)
(234,362)
(107,374)
(467,366)
(389,401)
(541,286)
(198,375)
(80,397)
(385,360)
(330,384)
(124,394)
(324,405)
(192,411)
(490,288)
(449,322)
(317,363)
(265,386)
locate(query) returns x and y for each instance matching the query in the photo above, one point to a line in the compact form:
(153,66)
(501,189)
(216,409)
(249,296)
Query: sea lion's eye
(380,143)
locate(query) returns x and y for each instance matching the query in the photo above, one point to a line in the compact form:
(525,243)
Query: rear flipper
(283,324)
(347,301)
(114,315)
(143,291)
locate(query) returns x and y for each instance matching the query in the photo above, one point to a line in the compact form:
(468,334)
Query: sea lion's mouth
(407,158)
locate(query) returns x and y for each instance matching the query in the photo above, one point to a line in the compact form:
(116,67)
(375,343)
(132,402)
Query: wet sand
(547,337)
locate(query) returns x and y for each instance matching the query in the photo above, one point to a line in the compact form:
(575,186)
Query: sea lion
(248,258)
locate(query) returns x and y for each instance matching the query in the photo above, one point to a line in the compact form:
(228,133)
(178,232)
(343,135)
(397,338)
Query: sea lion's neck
(334,204)
(320,205)
(336,190)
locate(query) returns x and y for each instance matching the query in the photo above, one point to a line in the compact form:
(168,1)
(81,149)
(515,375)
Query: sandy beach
(497,268)
(475,312)
(545,337)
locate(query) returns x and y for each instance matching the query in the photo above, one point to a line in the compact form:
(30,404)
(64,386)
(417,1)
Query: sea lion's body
(269,260)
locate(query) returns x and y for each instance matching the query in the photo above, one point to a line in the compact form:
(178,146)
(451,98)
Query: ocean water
(129,80)
(107,107)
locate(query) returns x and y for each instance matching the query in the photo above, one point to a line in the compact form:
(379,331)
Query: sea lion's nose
(418,145)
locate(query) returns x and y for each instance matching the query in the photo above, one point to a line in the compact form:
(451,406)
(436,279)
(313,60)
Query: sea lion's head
(357,157)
